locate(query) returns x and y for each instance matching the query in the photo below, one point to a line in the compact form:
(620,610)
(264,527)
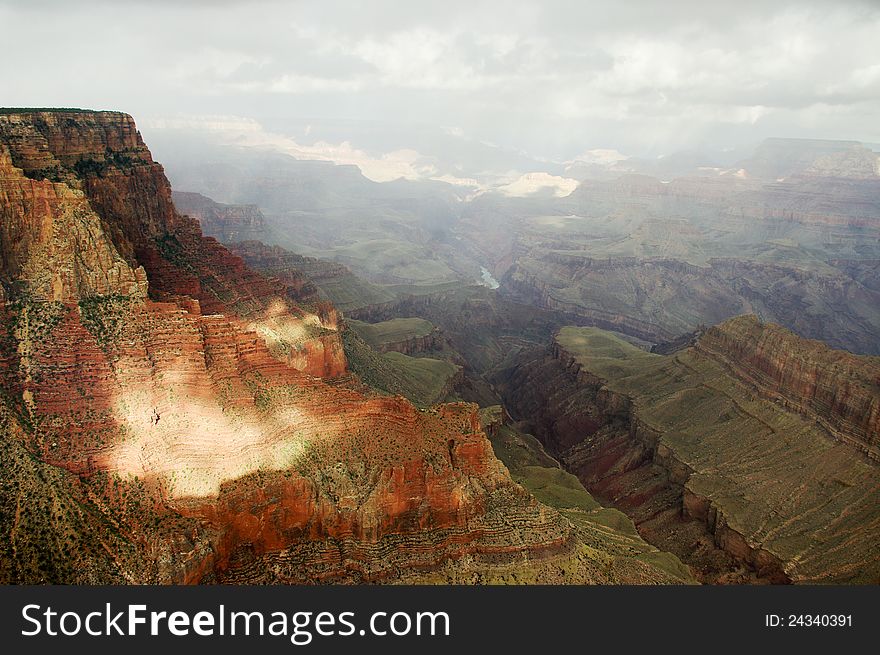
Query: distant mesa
(781,158)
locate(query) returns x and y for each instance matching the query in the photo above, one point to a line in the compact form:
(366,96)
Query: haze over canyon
(331,398)
(522,294)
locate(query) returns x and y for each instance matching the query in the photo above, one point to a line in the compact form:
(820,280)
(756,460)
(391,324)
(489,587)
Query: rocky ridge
(703,459)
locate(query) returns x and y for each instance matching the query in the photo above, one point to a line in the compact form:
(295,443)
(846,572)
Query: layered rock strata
(717,454)
(226,223)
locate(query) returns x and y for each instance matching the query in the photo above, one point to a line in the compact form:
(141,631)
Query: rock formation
(837,390)
(171,415)
(744,454)
(226,223)
(409,336)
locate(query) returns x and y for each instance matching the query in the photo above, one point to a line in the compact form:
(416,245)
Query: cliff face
(125,215)
(652,300)
(409,336)
(836,389)
(179,399)
(226,223)
(102,155)
(277,262)
(707,449)
(54,242)
(415,345)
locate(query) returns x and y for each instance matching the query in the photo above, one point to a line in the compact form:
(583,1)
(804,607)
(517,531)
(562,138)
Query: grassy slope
(780,480)
(393,331)
(420,379)
(349,292)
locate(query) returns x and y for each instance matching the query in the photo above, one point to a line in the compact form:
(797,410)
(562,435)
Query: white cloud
(245,132)
(532,183)
(552,78)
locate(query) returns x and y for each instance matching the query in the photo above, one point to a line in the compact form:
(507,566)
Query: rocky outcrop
(705,464)
(430,497)
(415,345)
(406,335)
(54,242)
(681,342)
(226,223)
(101,157)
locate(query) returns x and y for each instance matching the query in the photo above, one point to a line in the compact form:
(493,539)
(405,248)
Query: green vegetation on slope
(422,380)
(428,377)
(348,292)
(600,528)
(777,477)
(603,349)
(393,331)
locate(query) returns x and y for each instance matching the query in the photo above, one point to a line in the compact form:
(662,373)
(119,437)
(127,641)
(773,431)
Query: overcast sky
(553,79)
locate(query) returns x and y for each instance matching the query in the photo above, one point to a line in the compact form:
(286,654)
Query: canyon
(171,415)
(641,382)
(703,441)
(656,260)
(651,249)
(226,223)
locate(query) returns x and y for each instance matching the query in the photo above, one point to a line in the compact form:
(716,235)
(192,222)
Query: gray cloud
(551,78)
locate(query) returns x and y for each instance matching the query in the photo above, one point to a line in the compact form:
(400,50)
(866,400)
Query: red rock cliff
(179,384)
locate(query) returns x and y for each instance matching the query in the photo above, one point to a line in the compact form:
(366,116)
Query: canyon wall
(415,345)
(658,299)
(226,223)
(155,354)
(836,389)
(820,198)
(707,465)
